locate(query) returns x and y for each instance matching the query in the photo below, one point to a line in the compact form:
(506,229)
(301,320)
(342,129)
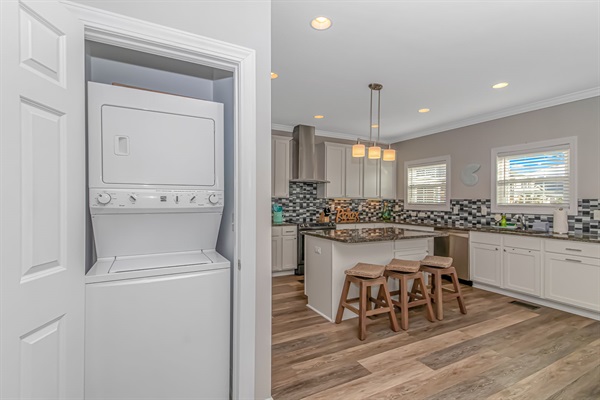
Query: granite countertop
(283,224)
(367,235)
(491,229)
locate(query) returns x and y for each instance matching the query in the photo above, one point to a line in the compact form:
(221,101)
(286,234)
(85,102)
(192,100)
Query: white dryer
(158,297)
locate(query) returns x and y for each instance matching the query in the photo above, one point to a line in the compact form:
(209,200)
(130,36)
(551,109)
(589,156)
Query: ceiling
(441,55)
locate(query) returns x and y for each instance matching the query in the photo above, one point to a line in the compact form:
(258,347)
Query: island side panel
(346,256)
(317,275)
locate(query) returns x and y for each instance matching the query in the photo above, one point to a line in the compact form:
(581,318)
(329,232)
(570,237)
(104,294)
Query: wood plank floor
(498,350)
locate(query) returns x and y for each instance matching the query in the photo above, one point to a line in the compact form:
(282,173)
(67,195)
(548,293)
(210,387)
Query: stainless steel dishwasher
(455,245)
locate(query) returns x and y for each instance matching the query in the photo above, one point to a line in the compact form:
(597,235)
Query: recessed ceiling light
(321,23)
(424,110)
(374,126)
(318,117)
(500,85)
(274,75)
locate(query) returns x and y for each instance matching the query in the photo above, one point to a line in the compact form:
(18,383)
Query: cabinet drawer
(275,231)
(405,244)
(486,238)
(573,248)
(522,242)
(288,230)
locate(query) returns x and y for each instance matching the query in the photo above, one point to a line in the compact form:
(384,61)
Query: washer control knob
(213,198)
(104,198)
(133,198)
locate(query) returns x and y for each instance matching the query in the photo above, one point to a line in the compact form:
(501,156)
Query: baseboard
(283,273)
(320,313)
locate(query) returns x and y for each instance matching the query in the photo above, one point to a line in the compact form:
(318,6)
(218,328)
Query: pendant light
(358,150)
(389,154)
(374,151)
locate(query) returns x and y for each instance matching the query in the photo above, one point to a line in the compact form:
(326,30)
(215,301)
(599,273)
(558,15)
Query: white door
(371,188)
(354,174)
(522,270)
(42,211)
(280,164)
(335,170)
(486,264)
(388,179)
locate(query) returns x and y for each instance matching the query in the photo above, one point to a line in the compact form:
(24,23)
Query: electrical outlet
(484,210)
(317,250)
(455,209)
(596,215)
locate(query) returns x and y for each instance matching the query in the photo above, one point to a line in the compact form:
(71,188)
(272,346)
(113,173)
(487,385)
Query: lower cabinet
(284,248)
(572,280)
(561,271)
(486,263)
(522,270)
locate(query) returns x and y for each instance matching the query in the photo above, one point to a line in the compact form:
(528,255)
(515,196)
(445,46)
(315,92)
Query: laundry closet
(160,234)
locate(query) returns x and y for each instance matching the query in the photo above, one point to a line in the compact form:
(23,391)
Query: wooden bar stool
(365,276)
(439,266)
(404,271)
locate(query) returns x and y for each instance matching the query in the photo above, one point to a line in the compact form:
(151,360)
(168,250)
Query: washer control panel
(154,199)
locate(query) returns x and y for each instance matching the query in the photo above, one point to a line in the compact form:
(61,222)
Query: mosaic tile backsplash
(303,205)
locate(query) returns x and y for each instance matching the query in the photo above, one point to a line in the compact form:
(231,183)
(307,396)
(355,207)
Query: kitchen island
(329,253)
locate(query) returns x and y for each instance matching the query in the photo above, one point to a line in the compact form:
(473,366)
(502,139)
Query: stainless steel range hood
(304,156)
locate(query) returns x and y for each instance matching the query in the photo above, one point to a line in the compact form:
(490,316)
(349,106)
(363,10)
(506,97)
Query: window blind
(534,177)
(427,184)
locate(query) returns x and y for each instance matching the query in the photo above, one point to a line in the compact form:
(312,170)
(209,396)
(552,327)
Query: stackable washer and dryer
(158,297)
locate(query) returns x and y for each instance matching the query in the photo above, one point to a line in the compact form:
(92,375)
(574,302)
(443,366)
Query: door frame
(126,32)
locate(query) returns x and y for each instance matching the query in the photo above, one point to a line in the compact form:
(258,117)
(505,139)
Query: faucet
(521,220)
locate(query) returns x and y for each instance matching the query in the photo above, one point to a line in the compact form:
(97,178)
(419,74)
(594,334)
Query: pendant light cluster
(374,151)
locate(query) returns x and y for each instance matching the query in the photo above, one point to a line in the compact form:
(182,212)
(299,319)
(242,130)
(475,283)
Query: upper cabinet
(388,179)
(351,177)
(371,182)
(280,166)
(354,174)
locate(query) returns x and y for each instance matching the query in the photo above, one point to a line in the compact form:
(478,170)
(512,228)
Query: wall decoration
(468,176)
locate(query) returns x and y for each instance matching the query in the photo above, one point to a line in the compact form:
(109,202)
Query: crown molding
(507,112)
(335,135)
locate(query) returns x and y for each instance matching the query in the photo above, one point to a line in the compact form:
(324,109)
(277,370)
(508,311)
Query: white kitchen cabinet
(371,174)
(522,270)
(388,179)
(284,248)
(289,250)
(280,166)
(354,175)
(486,263)
(344,172)
(572,273)
(276,253)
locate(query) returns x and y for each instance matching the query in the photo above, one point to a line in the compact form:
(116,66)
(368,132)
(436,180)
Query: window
(535,178)
(427,184)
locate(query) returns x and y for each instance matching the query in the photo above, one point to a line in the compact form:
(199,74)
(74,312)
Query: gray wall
(245,23)
(473,144)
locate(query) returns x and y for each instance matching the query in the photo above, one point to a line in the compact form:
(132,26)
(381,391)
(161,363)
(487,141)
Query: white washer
(158,297)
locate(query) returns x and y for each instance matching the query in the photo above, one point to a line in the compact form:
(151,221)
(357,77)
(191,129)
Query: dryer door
(157,148)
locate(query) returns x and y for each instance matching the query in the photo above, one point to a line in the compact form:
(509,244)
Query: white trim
(429,161)
(118,30)
(335,135)
(539,301)
(319,312)
(507,112)
(570,141)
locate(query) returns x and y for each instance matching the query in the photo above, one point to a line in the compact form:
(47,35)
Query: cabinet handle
(572,249)
(572,260)
(504,250)
(496,249)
